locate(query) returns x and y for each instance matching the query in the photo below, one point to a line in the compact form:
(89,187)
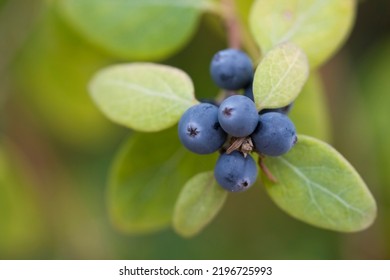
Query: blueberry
(238,115)
(284,110)
(199,130)
(231,69)
(234,172)
(275,134)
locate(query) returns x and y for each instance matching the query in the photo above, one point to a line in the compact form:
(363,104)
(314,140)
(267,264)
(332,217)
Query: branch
(232,24)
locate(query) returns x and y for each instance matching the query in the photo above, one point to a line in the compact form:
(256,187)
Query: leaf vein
(290,67)
(146,91)
(320,187)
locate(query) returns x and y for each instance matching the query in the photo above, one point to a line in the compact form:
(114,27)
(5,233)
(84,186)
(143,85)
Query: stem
(237,32)
(250,46)
(266,171)
(231,23)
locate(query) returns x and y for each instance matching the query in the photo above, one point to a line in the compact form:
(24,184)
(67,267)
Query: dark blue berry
(284,110)
(238,115)
(234,172)
(231,69)
(275,134)
(199,130)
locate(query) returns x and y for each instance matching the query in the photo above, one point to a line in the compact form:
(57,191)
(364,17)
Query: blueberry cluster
(235,127)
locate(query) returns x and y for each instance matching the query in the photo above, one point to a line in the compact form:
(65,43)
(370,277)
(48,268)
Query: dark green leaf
(146,178)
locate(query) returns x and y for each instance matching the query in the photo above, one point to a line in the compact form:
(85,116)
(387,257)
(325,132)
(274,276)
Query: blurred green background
(56,147)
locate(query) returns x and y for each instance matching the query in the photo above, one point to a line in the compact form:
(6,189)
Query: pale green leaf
(143,96)
(318,186)
(199,202)
(319,27)
(280,76)
(135,29)
(310,113)
(146,178)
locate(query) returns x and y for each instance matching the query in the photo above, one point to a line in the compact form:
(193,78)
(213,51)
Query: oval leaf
(319,27)
(143,96)
(318,186)
(135,29)
(146,178)
(280,76)
(198,203)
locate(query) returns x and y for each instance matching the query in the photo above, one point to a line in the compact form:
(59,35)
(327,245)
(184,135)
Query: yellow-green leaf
(317,185)
(143,96)
(199,202)
(280,76)
(319,27)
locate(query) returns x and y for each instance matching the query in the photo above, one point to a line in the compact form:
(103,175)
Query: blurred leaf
(143,96)
(375,86)
(280,76)
(319,27)
(135,29)
(53,71)
(318,186)
(21,226)
(309,113)
(199,202)
(146,178)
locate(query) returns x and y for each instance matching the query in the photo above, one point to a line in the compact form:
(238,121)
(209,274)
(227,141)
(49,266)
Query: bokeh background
(56,147)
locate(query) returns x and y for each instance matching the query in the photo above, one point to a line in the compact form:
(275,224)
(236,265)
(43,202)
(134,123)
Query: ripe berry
(238,115)
(274,135)
(234,172)
(199,130)
(231,69)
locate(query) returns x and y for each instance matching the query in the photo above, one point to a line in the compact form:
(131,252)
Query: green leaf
(199,202)
(318,186)
(143,96)
(135,29)
(146,178)
(280,76)
(319,27)
(310,113)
